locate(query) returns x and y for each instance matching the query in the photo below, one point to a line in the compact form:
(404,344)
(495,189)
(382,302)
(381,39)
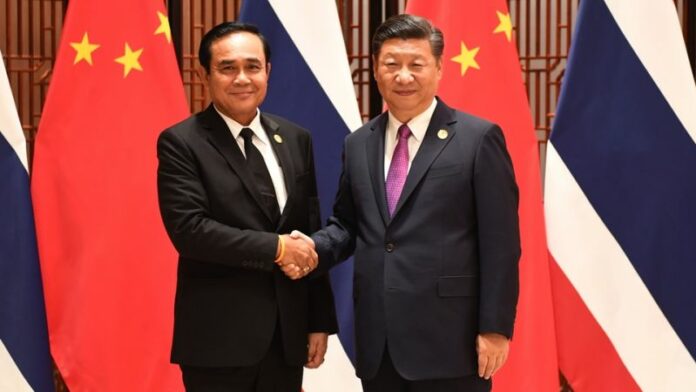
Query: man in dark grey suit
(427,203)
(230,178)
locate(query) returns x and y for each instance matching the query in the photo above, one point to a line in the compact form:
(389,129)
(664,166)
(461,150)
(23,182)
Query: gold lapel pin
(277,138)
(442,134)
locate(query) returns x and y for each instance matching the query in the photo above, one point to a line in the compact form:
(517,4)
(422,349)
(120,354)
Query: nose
(404,76)
(241,78)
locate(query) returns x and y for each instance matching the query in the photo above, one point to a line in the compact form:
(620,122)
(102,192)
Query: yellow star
(84,50)
(130,60)
(164,26)
(505,25)
(467,58)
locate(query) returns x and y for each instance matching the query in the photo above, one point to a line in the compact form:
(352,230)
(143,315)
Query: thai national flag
(621,202)
(25,364)
(310,84)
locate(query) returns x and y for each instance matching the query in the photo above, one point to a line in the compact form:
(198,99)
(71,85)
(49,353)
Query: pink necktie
(398,169)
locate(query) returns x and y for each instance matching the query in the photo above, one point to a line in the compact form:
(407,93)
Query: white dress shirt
(263,144)
(418,125)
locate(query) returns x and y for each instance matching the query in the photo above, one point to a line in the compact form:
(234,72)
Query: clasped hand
(299,257)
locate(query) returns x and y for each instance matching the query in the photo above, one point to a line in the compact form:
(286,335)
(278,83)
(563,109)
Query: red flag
(108,268)
(481,75)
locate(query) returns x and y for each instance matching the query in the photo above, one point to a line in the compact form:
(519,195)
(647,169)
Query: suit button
(389,247)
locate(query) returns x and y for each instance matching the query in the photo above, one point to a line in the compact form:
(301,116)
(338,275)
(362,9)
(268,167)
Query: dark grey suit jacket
(230,294)
(442,269)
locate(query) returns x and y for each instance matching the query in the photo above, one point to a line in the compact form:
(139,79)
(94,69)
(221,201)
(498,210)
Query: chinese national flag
(481,75)
(108,268)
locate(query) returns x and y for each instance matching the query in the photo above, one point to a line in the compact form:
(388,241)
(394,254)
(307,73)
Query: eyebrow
(252,60)
(403,54)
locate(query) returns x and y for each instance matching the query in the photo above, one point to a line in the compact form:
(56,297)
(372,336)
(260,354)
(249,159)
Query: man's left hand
(492,349)
(317,349)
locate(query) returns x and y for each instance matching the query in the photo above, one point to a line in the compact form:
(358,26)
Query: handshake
(296,256)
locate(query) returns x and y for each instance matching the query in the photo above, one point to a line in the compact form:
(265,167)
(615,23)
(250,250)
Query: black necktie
(257,167)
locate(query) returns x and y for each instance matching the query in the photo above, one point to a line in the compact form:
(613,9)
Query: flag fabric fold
(482,76)
(621,202)
(25,363)
(310,84)
(109,270)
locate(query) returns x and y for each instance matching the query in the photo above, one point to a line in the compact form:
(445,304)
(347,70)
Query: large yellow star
(84,50)
(130,60)
(164,26)
(467,58)
(505,25)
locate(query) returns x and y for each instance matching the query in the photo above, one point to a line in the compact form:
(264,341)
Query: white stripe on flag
(321,44)
(652,29)
(11,378)
(10,127)
(613,291)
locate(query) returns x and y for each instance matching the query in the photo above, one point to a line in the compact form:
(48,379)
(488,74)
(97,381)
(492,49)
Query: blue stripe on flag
(634,161)
(295,94)
(22,316)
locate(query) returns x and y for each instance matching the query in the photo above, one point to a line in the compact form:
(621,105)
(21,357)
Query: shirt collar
(418,124)
(254,125)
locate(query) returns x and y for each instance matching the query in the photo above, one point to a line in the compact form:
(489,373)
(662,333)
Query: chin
(402,104)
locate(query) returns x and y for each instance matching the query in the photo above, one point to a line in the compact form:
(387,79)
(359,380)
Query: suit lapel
(375,162)
(282,152)
(443,119)
(220,137)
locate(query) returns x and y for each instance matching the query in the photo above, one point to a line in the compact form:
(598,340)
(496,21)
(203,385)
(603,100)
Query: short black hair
(405,26)
(222,30)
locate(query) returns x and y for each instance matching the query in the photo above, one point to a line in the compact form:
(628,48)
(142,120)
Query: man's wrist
(280,251)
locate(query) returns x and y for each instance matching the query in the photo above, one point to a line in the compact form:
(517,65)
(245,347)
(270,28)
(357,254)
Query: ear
(438,66)
(268,69)
(202,74)
(375,65)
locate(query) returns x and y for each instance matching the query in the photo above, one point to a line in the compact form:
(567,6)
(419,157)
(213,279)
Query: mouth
(404,93)
(243,94)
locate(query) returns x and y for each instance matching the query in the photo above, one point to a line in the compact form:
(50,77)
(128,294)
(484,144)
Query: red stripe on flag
(586,356)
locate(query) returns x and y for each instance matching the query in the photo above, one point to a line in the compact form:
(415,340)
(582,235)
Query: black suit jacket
(442,269)
(229,292)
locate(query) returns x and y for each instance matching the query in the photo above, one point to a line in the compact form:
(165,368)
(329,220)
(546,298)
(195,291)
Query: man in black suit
(427,202)
(229,179)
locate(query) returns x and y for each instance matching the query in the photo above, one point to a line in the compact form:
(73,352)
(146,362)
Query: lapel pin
(442,134)
(277,138)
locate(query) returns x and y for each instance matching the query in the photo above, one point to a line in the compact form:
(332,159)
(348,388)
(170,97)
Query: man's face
(407,75)
(238,76)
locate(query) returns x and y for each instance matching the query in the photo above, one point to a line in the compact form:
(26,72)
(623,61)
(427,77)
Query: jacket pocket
(445,171)
(458,286)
